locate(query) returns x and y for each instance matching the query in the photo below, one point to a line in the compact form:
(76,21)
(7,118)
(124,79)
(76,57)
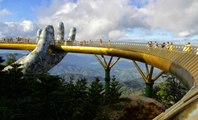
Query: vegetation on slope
(169,91)
(47,97)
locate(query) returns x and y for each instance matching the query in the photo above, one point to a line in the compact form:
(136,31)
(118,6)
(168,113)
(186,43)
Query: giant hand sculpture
(41,59)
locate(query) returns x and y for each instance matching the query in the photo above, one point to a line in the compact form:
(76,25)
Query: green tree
(11,91)
(49,97)
(10,58)
(170,91)
(76,100)
(30,97)
(1,61)
(95,98)
(114,93)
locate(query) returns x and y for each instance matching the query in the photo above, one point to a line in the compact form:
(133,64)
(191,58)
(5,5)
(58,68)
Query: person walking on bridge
(100,42)
(188,47)
(148,45)
(167,46)
(171,46)
(197,52)
(109,44)
(163,45)
(155,44)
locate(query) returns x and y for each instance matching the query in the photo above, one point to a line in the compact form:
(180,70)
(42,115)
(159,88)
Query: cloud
(184,34)
(115,35)
(4,12)
(110,19)
(27,26)
(142,34)
(114,19)
(24,28)
(179,16)
(93,18)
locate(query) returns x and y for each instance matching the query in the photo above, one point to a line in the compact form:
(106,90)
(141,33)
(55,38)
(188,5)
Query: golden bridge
(179,63)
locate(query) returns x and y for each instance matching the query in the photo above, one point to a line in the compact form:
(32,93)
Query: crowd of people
(16,40)
(108,43)
(169,46)
(155,44)
(151,44)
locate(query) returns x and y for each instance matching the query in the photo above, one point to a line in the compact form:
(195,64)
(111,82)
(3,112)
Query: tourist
(163,45)
(151,44)
(148,44)
(100,42)
(109,44)
(188,47)
(167,46)
(155,45)
(171,46)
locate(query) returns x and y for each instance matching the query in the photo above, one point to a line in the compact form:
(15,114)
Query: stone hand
(42,58)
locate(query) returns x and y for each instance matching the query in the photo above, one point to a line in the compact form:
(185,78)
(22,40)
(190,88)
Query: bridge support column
(107,67)
(149,89)
(149,80)
(107,79)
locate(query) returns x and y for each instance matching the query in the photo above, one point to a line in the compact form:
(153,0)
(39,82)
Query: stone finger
(60,32)
(46,38)
(38,35)
(72,34)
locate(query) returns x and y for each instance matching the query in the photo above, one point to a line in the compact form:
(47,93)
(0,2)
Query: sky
(117,20)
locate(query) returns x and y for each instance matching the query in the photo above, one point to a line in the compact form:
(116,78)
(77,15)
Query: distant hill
(81,65)
(4,55)
(78,66)
(87,65)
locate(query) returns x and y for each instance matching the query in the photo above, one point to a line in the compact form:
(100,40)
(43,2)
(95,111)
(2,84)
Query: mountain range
(77,66)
